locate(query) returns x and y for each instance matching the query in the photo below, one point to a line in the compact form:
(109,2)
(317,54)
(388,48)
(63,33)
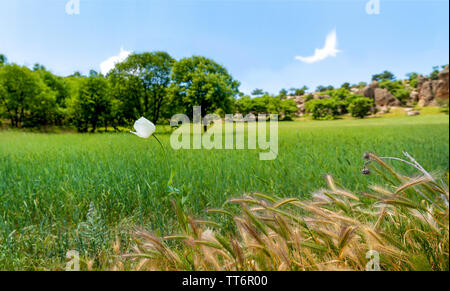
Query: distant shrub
(360,107)
(413,79)
(309,97)
(324,109)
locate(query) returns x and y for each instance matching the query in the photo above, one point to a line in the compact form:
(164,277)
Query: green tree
(199,81)
(413,79)
(361,106)
(141,83)
(298,91)
(3,60)
(92,105)
(346,86)
(322,109)
(25,98)
(361,85)
(435,73)
(386,75)
(321,88)
(61,90)
(283,93)
(258,92)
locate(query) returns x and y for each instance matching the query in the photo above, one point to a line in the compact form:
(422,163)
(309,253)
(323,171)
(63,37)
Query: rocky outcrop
(382,97)
(426,93)
(429,91)
(442,85)
(369,91)
(414,97)
(300,101)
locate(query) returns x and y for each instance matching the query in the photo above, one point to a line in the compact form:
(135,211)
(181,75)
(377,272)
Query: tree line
(155,85)
(151,84)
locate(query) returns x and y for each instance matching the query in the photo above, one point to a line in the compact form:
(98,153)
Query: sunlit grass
(48,181)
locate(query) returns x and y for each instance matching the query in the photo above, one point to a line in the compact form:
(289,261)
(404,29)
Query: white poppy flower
(144,128)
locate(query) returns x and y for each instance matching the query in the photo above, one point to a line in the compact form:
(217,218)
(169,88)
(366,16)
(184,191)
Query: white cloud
(329,50)
(109,64)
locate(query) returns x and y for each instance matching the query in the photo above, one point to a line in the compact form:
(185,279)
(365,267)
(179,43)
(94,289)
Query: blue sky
(256,40)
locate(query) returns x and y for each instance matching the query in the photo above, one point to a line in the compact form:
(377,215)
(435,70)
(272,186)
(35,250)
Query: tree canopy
(199,81)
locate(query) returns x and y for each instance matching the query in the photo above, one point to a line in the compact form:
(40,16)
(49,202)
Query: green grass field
(49,181)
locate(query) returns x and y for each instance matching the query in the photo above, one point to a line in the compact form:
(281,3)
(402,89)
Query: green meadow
(61,192)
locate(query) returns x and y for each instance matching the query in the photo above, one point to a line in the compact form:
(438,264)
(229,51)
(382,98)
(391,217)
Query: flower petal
(144,128)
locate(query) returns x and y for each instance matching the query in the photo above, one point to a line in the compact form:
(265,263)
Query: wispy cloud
(109,64)
(329,50)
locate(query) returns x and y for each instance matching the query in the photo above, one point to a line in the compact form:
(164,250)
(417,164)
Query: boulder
(355,91)
(383,110)
(414,96)
(442,85)
(427,92)
(431,90)
(369,91)
(413,113)
(383,97)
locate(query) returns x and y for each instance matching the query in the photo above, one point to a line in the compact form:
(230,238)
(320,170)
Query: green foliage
(396,88)
(199,81)
(346,86)
(323,109)
(360,106)
(92,104)
(308,97)
(266,104)
(25,98)
(321,88)
(386,75)
(141,84)
(444,104)
(298,91)
(258,92)
(49,181)
(283,93)
(93,234)
(361,85)
(156,86)
(3,60)
(340,94)
(413,79)
(434,75)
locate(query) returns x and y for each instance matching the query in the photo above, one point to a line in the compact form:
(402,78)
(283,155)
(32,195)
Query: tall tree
(258,92)
(199,81)
(141,83)
(25,98)
(92,104)
(3,60)
(386,75)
